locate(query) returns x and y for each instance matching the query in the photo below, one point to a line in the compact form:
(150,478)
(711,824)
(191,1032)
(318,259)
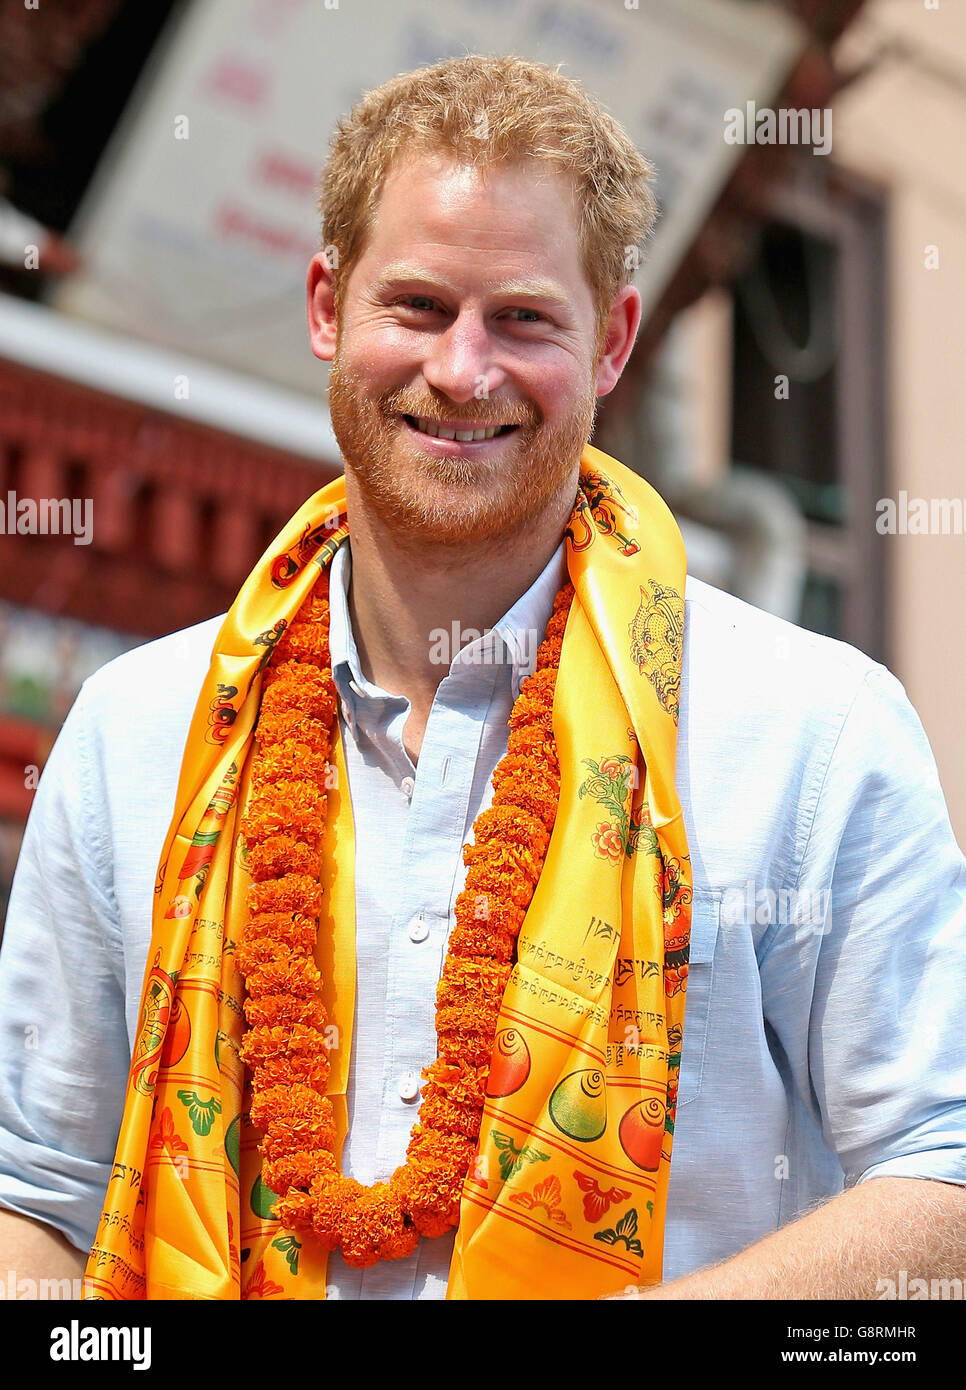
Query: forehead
(525,211)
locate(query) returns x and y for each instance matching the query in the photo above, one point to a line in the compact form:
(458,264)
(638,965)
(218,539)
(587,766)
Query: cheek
(373,371)
(558,394)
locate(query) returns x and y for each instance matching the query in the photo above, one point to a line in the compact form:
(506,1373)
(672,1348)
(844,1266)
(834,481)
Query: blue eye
(412,301)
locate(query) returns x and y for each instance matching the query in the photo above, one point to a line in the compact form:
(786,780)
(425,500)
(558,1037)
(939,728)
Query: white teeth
(433,427)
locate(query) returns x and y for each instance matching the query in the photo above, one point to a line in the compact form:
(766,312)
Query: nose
(460,362)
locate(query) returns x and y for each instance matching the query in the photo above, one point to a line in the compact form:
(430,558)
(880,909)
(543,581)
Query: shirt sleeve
(64,1053)
(868,996)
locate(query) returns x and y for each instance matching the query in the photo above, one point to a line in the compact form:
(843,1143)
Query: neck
(400,592)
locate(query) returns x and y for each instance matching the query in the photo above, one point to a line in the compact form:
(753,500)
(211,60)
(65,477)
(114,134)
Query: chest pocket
(705,918)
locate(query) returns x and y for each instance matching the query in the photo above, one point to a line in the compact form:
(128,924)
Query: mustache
(493,415)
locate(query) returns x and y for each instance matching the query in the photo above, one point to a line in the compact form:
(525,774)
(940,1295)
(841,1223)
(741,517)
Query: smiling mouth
(440,430)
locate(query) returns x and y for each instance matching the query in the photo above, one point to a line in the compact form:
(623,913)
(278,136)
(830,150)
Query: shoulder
(730,625)
(768,706)
(781,740)
(740,657)
(139,705)
(161,671)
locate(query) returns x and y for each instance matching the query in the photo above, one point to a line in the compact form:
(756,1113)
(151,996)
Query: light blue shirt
(827,986)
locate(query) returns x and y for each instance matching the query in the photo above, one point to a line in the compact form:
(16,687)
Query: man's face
(468,308)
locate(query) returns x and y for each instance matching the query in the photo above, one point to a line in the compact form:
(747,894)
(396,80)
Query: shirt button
(418,930)
(408,786)
(409,1087)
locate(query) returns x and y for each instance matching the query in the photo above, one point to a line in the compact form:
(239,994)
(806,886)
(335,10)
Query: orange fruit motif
(509,1065)
(641,1134)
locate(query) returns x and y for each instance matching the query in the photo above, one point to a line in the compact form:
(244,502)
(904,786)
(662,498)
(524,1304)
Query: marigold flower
(474,983)
(548,653)
(279,854)
(274,816)
(462,1084)
(261,1043)
(290,893)
(297,685)
(475,906)
(477,938)
(275,728)
(292,974)
(291,929)
(307,642)
(280,1010)
(287,760)
(471,1031)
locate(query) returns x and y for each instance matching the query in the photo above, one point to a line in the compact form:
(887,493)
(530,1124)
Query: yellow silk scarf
(567,1195)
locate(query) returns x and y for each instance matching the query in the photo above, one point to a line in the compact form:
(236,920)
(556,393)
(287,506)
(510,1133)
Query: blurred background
(800,356)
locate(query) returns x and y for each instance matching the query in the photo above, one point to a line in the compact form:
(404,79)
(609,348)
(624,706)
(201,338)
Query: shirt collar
(522,627)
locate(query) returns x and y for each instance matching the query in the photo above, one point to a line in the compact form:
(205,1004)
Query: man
(818,1047)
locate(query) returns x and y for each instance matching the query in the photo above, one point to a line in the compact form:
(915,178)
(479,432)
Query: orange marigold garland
(285,1045)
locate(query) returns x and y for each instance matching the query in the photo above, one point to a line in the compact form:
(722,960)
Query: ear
(622,325)
(320,307)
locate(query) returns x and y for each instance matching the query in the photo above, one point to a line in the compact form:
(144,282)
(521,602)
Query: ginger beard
(424,498)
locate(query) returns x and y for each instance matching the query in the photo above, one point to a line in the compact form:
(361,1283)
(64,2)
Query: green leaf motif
(201,1112)
(511,1158)
(624,1233)
(290,1248)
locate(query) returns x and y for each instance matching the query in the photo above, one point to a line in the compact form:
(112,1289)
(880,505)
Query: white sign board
(200,222)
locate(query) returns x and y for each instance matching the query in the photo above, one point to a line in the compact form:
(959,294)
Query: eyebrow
(528,287)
